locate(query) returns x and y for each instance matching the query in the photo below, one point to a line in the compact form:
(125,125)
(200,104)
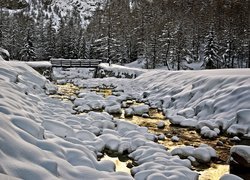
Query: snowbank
(118,71)
(39,64)
(212,98)
(41,139)
(209,100)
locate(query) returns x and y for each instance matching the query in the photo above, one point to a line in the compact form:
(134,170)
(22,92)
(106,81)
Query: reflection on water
(120,162)
(188,137)
(214,172)
(66,91)
(103,91)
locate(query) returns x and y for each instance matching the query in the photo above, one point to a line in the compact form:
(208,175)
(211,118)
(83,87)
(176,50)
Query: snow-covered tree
(212,59)
(27,53)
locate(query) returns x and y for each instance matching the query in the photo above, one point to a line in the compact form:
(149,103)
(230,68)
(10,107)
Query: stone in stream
(220,143)
(140,109)
(115,109)
(193,161)
(175,139)
(240,161)
(168,135)
(161,125)
(72,98)
(145,115)
(235,139)
(129,165)
(161,137)
(145,94)
(128,112)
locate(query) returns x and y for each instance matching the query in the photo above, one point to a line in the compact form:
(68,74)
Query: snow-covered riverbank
(209,99)
(41,139)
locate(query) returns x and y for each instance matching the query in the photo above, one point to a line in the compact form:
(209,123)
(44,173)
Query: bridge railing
(84,63)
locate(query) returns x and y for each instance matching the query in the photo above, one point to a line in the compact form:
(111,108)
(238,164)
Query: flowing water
(122,162)
(187,136)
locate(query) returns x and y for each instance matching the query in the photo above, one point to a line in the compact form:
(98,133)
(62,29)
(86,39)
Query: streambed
(186,136)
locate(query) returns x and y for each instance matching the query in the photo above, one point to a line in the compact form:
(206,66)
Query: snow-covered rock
(161,124)
(115,109)
(208,133)
(176,119)
(241,154)
(241,125)
(190,123)
(230,177)
(240,161)
(175,139)
(128,112)
(202,154)
(140,109)
(161,137)
(183,152)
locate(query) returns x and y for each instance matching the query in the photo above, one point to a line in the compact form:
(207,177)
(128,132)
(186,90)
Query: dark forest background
(170,33)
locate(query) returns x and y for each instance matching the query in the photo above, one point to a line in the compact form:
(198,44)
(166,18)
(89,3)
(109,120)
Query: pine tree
(27,53)
(211,56)
(50,44)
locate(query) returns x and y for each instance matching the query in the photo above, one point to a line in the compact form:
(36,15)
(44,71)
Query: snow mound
(202,154)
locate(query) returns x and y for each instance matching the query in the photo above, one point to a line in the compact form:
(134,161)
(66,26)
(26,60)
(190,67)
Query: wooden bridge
(75,63)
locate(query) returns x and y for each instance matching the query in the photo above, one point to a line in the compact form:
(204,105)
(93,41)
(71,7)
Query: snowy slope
(62,8)
(85,7)
(212,98)
(31,131)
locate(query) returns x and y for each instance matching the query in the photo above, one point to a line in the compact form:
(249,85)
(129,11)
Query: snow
(121,71)
(140,109)
(5,53)
(128,112)
(39,137)
(230,177)
(39,64)
(64,75)
(140,63)
(202,154)
(216,97)
(33,129)
(241,125)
